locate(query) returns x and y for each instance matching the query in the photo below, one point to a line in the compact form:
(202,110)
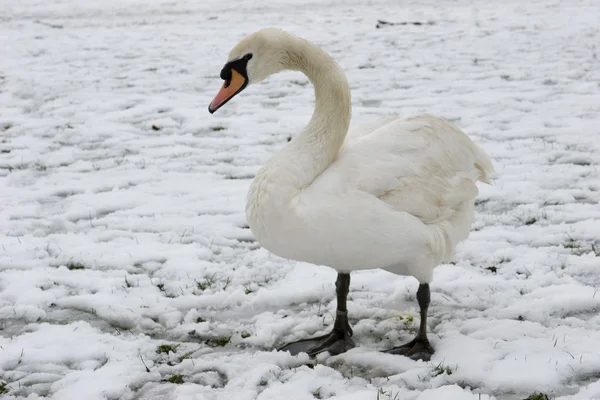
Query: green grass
(166,348)
(388,395)
(200,319)
(408,321)
(317,394)
(177,379)
(245,334)
(3,388)
(440,369)
(247,289)
(538,396)
(493,269)
(531,221)
(217,128)
(227,283)
(220,341)
(74,266)
(223,341)
(186,356)
(571,244)
(207,283)
(577,248)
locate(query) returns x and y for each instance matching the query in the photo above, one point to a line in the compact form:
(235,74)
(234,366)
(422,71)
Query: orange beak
(229,89)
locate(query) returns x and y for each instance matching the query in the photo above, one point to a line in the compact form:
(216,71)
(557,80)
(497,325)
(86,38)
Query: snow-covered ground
(127,270)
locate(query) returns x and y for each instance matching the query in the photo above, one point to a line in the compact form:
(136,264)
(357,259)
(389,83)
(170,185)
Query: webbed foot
(339,340)
(416,349)
(335,343)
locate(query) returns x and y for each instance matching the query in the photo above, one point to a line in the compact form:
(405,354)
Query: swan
(396,193)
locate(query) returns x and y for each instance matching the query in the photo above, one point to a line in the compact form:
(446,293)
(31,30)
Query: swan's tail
(484,165)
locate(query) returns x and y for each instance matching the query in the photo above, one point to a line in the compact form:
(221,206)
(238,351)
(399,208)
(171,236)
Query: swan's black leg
(419,348)
(339,339)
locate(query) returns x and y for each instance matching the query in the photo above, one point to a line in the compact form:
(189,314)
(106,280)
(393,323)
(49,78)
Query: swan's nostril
(227,83)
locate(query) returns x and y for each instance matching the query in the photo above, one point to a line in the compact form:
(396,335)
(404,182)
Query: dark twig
(381,23)
(53,26)
(147,369)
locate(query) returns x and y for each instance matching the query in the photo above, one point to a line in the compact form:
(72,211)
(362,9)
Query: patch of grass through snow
(571,244)
(219,341)
(317,394)
(207,283)
(580,248)
(389,395)
(186,356)
(247,289)
(177,379)
(3,388)
(408,320)
(74,266)
(440,369)
(166,348)
(494,268)
(245,334)
(538,396)
(481,202)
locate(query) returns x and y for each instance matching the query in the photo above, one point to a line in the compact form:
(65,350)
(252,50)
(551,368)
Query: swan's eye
(248,56)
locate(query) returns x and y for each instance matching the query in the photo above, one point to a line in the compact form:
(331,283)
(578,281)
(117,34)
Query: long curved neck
(296,166)
(315,147)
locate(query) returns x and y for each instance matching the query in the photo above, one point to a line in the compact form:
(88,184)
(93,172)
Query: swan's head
(255,57)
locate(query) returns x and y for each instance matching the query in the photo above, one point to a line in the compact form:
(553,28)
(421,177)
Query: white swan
(396,193)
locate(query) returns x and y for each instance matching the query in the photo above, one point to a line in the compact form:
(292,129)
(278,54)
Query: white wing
(422,165)
(358,131)
(398,198)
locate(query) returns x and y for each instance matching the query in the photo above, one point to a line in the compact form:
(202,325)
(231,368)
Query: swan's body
(399,198)
(395,193)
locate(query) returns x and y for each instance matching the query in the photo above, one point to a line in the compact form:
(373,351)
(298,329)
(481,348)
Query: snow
(122,203)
